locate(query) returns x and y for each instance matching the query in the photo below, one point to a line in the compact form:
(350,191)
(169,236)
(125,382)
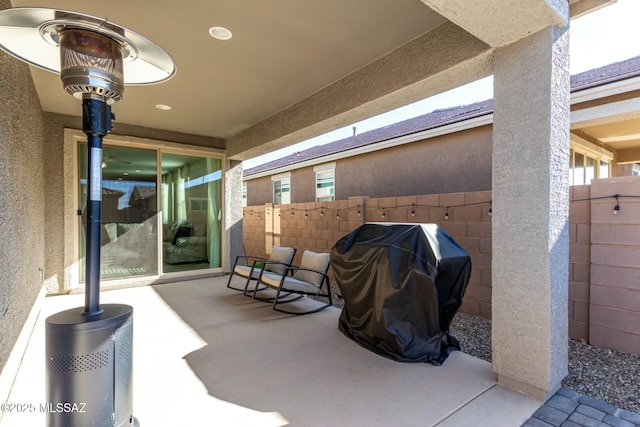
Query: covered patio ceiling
(293,70)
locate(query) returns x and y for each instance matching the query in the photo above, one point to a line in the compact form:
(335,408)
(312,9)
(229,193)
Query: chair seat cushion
(244,271)
(271,279)
(289,284)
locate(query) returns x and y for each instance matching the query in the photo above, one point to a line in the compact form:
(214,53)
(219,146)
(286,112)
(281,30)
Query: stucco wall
(259,191)
(233,215)
(404,170)
(22,198)
(416,168)
(54,198)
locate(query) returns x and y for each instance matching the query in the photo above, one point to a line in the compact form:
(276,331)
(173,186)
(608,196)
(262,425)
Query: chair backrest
(313,261)
(281,254)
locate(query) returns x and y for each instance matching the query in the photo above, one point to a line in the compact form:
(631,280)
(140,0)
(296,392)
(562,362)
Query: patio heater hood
(89,349)
(101,55)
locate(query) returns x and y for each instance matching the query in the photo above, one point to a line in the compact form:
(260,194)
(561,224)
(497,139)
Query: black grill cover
(402,285)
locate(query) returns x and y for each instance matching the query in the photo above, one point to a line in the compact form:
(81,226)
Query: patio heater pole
(88,352)
(96,123)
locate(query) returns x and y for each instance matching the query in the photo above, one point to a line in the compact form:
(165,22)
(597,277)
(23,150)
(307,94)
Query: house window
(244,194)
(281,190)
(604,169)
(588,164)
(325,182)
(577,168)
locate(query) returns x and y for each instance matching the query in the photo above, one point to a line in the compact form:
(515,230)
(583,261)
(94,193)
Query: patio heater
(88,349)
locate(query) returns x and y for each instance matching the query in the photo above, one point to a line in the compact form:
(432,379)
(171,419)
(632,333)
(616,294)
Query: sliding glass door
(191,212)
(128,236)
(161,212)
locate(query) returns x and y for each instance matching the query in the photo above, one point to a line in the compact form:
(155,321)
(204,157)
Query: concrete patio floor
(204,355)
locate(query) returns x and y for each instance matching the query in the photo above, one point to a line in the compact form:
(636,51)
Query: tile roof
(437,118)
(608,74)
(432,120)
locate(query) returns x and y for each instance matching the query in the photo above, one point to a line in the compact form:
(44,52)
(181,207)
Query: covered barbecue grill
(402,285)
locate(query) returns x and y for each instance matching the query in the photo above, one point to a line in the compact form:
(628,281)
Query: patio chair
(306,280)
(249,267)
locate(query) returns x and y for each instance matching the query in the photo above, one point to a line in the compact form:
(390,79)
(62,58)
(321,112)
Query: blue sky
(603,37)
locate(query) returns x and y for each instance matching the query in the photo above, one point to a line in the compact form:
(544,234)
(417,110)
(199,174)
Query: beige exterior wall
(416,168)
(604,293)
(259,191)
(404,170)
(23,198)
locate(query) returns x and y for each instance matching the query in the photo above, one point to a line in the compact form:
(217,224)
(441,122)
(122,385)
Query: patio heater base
(89,368)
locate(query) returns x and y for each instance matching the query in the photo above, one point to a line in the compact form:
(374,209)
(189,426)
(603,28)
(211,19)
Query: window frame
(588,151)
(280,178)
(323,169)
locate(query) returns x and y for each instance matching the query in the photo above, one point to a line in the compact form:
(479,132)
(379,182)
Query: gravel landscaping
(608,375)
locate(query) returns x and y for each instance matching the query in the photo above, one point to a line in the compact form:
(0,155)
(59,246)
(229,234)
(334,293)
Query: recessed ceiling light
(220,33)
(125,173)
(138,170)
(163,107)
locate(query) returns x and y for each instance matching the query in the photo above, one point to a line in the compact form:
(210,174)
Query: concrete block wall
(317,226)
(256,241)
(579,261)
(614,312)
(604,264)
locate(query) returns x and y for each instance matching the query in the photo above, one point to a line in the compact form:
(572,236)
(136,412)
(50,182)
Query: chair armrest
(284,264)
(269,261)
(247,258)
(293,268)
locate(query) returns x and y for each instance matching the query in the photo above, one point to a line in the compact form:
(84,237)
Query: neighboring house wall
(303,185)
(416,168)
(259,191)
(407,169)
(604,293)
(23,198)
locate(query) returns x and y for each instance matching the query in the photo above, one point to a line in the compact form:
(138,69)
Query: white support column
(530,212)
(233,245)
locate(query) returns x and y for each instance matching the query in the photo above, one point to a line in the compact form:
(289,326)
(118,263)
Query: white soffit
(590,147)
(603,91)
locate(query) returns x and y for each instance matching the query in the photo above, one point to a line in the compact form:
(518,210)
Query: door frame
(72,244)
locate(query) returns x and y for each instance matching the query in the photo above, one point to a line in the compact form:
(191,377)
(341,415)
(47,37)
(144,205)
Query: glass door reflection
(128,237)
(191,212)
